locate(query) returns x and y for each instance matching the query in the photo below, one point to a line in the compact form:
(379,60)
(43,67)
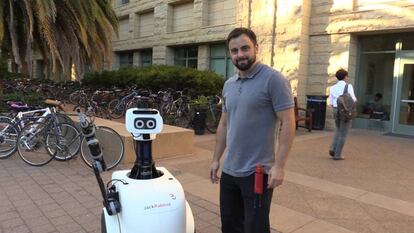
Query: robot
(145,199)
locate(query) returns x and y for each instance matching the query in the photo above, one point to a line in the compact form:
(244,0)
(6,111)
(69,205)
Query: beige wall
(334,29)
(307,40)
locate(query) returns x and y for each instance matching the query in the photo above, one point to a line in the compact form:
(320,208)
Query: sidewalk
(371,191)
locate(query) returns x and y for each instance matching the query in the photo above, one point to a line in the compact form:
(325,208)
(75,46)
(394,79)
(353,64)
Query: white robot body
(150,206)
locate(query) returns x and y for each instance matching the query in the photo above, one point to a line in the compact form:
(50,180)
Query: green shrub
(159,77)
(32,98)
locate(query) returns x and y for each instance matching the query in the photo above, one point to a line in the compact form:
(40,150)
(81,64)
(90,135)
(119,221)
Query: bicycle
(41,141)
(10,129)
(118,107)
(8,139)
(111,144)
(213,113)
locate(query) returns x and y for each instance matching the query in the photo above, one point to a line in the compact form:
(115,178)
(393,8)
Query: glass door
(403,114)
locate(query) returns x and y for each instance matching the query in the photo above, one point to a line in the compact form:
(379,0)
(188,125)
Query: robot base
(149,206)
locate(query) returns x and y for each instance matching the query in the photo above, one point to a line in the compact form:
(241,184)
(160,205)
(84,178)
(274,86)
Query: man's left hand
(275,177)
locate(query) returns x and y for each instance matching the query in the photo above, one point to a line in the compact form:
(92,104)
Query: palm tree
(67,33)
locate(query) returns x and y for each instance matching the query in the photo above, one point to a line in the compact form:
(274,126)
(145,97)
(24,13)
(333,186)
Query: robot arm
(109,195)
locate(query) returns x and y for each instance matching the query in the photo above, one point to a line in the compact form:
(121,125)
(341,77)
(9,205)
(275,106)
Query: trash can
(317,104)
(199,121)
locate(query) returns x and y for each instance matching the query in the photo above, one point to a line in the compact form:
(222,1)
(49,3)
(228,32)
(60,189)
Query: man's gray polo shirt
(251,104)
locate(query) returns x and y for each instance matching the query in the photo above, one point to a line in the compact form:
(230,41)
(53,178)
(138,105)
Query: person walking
(255,100)
(341,125)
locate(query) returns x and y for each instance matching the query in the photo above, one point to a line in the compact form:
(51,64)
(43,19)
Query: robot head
(140,121)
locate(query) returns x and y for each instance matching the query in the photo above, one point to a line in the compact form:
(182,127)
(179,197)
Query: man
(341,126)
(255,100)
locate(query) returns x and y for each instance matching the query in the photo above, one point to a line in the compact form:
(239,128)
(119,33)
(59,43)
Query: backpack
(346,106)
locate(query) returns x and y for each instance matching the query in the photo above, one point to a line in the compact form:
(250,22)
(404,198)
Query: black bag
(346,106)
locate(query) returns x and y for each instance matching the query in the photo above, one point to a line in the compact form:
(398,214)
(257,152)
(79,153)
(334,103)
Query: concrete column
(134,19)
(203,57)
(243,13)
(160,18)
(204,13)
(162,55)
(137,59)
(199,5)
(262,23)
(115,61)
(291,47)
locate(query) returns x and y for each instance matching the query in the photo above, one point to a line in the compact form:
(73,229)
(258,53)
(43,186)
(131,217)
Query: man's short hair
(341,74)
(240,31)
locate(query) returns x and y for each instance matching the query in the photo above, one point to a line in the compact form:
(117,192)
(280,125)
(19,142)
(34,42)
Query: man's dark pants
(340,134)
(241,210)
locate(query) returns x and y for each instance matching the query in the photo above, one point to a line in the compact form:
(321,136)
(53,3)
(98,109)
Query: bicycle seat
(18,107)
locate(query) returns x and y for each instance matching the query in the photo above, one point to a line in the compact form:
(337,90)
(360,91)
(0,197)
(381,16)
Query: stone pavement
(371,191)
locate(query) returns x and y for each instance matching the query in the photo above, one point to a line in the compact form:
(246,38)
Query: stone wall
(307,40)
(334,29)
(164,37)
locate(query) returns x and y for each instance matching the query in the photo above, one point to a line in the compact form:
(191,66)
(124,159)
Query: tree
(65,32)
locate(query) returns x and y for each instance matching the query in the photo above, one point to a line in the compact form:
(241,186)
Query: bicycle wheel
(111,144)
(74,98)
(116,109)
(213,119)
(32,144)
(5,119)
(8,139)
(68,144)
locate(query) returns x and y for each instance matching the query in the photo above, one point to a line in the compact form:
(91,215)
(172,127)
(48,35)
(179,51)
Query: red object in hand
(258,180)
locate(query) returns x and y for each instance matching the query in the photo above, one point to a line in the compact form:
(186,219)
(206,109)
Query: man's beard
(247,65)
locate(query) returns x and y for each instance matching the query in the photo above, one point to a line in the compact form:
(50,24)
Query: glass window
(124,1)
(378,43)
(186,56)
(126,59)
(375,82)
(192,52)
(408,41)
(146,58)
(387,42)
(220,63)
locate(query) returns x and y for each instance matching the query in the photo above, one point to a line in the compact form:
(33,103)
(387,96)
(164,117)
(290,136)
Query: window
(183,17)
(220,62)
(375,77)
(146,58)
(221,12)
(387,42)
(126,59)
(37,68)
(123,28)
(145,24)
(124,1)
(186,56)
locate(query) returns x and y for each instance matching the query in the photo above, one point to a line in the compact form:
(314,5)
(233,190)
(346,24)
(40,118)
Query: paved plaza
(371,191)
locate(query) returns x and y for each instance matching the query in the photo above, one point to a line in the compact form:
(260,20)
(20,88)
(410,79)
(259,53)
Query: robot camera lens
(150,124)
(139,124)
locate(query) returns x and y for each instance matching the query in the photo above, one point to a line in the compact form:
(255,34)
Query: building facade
(307,40)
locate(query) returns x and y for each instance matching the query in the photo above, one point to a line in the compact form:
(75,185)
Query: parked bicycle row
(175,107)
(41,135)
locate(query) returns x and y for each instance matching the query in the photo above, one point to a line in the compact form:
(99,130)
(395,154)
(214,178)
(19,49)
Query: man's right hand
(214,167)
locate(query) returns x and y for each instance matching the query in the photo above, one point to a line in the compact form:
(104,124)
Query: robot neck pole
(144,167)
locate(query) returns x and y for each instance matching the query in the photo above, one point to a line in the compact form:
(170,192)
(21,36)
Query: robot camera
(143,121)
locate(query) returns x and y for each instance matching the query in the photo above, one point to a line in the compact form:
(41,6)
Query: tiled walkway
(372,191)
